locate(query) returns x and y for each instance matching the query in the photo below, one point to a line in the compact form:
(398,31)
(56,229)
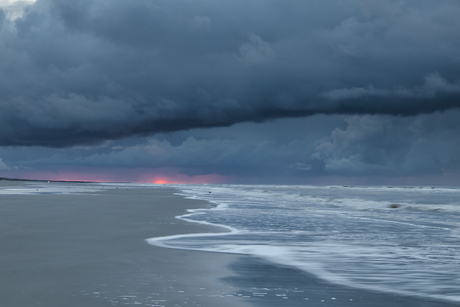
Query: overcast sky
(258,91)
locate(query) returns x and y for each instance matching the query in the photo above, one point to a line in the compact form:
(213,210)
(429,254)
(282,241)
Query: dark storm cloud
(80,72)
(321,145)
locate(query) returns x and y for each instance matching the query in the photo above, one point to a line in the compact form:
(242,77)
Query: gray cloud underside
(368,145)
(80,72)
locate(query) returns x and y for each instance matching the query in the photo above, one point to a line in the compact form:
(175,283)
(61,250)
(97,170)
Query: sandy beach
(89,250)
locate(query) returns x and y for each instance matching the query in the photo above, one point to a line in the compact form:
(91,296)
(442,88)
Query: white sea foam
(397,240)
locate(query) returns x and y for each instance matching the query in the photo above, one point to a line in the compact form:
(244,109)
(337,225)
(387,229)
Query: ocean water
(402,240)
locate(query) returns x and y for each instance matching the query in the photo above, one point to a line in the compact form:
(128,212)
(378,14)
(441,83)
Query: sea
(403,240)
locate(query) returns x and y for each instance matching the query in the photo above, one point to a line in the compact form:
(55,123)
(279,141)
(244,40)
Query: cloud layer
(299,150)
(82,72)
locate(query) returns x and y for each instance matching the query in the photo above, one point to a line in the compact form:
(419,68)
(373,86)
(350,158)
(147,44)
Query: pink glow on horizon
(163,176)
(183,179)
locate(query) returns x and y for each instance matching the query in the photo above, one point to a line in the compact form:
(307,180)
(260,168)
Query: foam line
(395,250)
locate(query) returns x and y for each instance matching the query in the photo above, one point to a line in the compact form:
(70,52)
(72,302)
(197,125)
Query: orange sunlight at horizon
(162,181)
(184,179)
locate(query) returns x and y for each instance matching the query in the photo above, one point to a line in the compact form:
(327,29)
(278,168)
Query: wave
(360,242)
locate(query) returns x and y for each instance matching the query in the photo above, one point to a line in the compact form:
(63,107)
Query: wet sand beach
(90,250)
